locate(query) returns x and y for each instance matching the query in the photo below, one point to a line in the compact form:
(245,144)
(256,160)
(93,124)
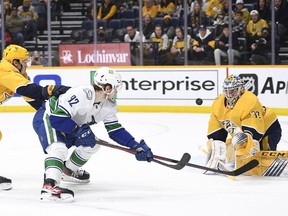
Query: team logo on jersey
(251,82)
(88,93)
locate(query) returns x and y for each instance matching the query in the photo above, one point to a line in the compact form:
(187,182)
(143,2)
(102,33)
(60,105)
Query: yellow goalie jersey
(247,114)
(10,80)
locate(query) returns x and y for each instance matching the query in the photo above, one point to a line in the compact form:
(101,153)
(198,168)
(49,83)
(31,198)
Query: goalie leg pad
(216,154)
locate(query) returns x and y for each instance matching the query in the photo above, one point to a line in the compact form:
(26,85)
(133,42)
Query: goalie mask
(233,88)
(106,75)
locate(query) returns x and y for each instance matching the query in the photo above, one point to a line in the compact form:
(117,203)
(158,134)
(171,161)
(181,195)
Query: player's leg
(5,183)
(53,144)
(72,171)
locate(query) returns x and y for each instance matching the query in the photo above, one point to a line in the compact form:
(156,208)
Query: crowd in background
(207,40)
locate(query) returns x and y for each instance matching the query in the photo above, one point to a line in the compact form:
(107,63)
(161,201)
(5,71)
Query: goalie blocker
(271,163)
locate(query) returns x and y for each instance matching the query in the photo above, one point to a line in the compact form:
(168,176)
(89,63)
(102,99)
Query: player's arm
(21,85)
(38,92)
(36,104)
(215,129)
(120,135)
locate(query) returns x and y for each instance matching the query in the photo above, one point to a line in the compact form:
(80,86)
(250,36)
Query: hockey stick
(250,165)
(178,166)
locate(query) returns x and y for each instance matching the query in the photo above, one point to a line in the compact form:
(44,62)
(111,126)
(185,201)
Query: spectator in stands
(203,47)
(241,7)
(261,48)
(30,17)
(223,16)
(179,46)
(149,8)
(203,5)
(16,3)
(165,7)
(198,17)
(7,8)
(134,38)
(222,46)
(255,26)
(281,19)
(103,36)
(65,5)
(107,11)
(7,37)
(159,46)
(122,5)
(148,26)
(168,28)
(179,8)
(263,8)
(239,25)
(132,35)
(213,8)
(38,59)
(14,24)
(90,11)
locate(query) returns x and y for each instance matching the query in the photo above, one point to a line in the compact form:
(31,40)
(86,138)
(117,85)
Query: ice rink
(122,186)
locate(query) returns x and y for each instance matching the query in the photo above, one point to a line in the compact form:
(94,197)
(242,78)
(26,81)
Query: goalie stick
(178,166)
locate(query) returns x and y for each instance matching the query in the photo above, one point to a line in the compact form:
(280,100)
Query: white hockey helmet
(106,75)
(233,88)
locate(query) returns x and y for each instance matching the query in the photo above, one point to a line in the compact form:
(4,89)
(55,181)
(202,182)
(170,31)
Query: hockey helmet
(106,75)
(233,88)
(16,52)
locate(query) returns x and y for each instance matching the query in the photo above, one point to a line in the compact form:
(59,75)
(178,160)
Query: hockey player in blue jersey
(64,122)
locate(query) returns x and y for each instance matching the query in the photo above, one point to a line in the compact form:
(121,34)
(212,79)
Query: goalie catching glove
(144,153)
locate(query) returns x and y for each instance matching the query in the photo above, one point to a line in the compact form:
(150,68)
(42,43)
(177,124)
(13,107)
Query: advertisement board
(269,84)
(100,54)
(171,88)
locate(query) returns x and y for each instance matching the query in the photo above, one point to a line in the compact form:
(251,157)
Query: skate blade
(64,198)
(5,186)
(69,179)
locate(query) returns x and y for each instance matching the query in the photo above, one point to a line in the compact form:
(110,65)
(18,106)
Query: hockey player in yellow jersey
(239,125)
(14,79)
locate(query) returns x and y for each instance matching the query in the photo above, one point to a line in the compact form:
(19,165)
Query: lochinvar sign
(108,54)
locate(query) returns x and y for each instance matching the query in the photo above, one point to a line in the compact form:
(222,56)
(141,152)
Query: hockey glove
(248,146)
(239,140)
(53,90)
(84,136)
(144,153)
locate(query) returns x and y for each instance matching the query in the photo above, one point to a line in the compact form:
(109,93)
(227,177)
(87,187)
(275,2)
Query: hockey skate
(80,176)
(54,193)
(5,183)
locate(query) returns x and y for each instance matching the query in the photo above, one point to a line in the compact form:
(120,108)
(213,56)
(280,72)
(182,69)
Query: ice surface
(122,186)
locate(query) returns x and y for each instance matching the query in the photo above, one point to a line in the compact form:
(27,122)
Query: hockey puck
(199,101)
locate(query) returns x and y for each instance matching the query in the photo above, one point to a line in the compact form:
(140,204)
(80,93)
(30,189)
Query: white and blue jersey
(60,116)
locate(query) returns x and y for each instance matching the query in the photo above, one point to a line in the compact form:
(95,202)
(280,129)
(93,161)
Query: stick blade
(184,160)
(179,164)
(250,165)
